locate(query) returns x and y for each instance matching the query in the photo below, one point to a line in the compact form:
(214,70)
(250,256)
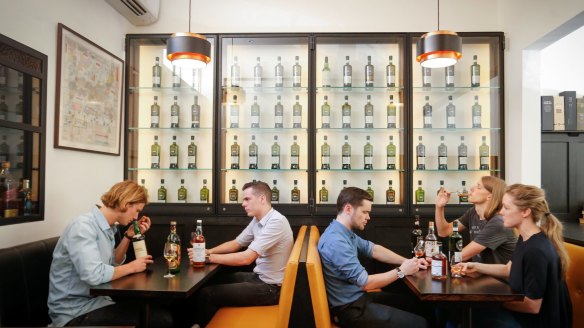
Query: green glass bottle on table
(138,241)
(455,248)
(174,239)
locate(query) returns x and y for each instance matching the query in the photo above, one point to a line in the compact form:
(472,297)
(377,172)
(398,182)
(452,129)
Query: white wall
(562,67)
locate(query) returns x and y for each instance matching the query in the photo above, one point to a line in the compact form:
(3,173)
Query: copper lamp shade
(440,48)
(189,50)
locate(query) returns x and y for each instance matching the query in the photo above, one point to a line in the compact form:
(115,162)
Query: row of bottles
(6,155)
(258,76)
(450,111)
(368,112)
(462,192)
(10,80)
(254,114)
(173,154)
(15,199)
(11,113)
(484,155)
(175,121)
(449,75)
(182,194)
(176,80)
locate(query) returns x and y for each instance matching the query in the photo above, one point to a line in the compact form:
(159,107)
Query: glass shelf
(454,171)
(342,89)
(266,129)
(362,170)
(430,130)
(133,128)
(265,170)
(16,90)
(266,90)
(166,169)
(361,129)
(170,90)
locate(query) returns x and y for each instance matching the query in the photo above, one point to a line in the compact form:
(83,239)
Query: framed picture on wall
(88,105)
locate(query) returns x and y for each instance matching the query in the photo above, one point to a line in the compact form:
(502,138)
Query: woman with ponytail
(538,266)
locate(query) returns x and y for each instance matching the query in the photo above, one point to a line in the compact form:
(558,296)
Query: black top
(536,271)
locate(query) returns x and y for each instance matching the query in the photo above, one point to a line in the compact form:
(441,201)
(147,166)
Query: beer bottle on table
(198,242)
(174,239)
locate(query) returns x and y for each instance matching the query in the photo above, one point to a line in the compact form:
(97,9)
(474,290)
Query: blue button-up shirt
(83,257)
(344,275)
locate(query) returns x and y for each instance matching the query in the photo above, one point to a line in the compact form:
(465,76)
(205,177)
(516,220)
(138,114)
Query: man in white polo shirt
(268,238)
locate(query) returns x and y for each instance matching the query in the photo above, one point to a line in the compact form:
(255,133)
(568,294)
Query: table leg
(145,315)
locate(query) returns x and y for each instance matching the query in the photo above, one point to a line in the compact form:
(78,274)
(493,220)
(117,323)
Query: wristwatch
(400,274)
(207,258)
(126,236)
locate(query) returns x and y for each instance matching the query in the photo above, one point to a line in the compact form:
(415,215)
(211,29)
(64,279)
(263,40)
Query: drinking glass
(419,250)
(456,266)
(170,254)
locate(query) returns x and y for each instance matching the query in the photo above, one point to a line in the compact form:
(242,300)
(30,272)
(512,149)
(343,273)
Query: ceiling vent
(138,12)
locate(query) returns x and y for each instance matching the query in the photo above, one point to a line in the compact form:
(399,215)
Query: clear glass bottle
(235,154)
(176,80)
(369,113)
(390,194)
(450,114)
(275,154)
(391,114)
(233,193)
(370,190)
(295,193)
(426,77)
(427,109)
(442,155)
(155,154)
(156,74)
(431,241)
(368,155)
(463,194)
(162,192)
(346,151)
(196,113)
(475,73)
(182,192)
(278,114)
(420,194)
(391,154)
(295,155)
(8,192)
(234,113)
(173,152)
(325,155)
(476,114)
(297,114)
(369,74)
(253,154)
(175,114)
(415,234)
(326,74)
(279,73)
(192,154)
(138,241)
(255,114)
(484,154)
(347,74)
(390,73)
(155,114)
(199,248)
(235,73)
(257,74)
(204,193)
(346,113)
(174,239)
(462,155)
(275,193)
(439,264)
(420,155)
(296,73)
(449,76)
(323,195)
(325,111)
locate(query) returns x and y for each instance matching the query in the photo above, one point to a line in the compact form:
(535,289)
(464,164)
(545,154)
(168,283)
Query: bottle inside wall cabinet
(198,243)
(426,77)
(155,113)
(234,113)
(253,154)
(255,113)
(326,74)
(3,107)
(347,74)
(275,193)
(370,190)
(20,153)
(420,194)
(369,73)
(325,155)
(427,110)
(18,110)
(439,264)
(278,114)
(449,76)
(26,197)
(192,154)
(431,241)
(390,194)
(174,239)
(442,155)
(233,193)
(182,192)
(176,80)
(138,241)
(173,152)
(344,184)
(462,155)
(296,73)
(391,154)
(484,154)
(463,194)
(155,154)
(325,111)
(235,73)
(161,192)
(295,155)
(257,73)
(346,114)
(204,193)
(279,73)
(346,151)
(455,244)
(420,155)
(175,114)
(369,110)
(415,234)
(475,73)
(476,114)
(391,114)
(297,114)
(3,76)
(368,155)
(450,114)
(275,154)
(156,74)
(196,113)
(8,192)
(390,73)
(4,150)
(235,154)
(295,193)
(323,195)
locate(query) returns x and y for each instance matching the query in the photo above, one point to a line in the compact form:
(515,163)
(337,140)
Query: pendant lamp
(189,50)
(439,48)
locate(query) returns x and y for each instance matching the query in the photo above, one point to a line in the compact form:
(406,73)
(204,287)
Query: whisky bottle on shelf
(390,194)
(368,155)
(426,77)
(182,192)
(174,114)
(415,234)
(176,81)
(26,196)
(198,243)
(253,154)
(390,73)
(196,79)
(325,111)
(295,155)
(455,244)
(296,73)
(449,76)
(4,151)
(275,154)
(326,74)
(325,155)
(476,114)
(279,73)
(475,73)
(420,155)
(442,155)
(297,114)
(323,194)
(174,239)
(155,113)
(450,114)
(278,114)
(234,113)
(257,74)
(431,241)
(463,194)
(162,192)
(344,184)
(391,154)
(391,114)
(235,73)
(462,155)
(3,107)
(420,194)
(255,113)
(369,74)
(346,114)
(370,190)
(3,76)
(9,192)
(204,193)
(484,154)
(155,154)
(347,73)
(156,74)
(173,152)
(275,193)
(295,193)
(369,113)
(138,241)
(346,153)
(196,113)
(20,153)
(192,154)
(235,154)
(439,264)
(233,193)
(427,109)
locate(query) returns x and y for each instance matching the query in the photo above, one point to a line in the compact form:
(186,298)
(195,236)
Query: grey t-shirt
(498,240)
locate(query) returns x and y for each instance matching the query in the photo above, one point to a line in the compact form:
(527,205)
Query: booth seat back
(24,283)
(575,282)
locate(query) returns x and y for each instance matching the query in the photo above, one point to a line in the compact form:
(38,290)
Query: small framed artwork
(88,105)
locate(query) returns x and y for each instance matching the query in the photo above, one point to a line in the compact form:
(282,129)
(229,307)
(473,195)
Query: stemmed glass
(419,250)
(170,254)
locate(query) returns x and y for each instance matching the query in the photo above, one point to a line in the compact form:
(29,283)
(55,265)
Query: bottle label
(255,120)
(369,119)
(346,160)
(154,119)
(279,80)
(391,160)
(390,79)
(192,160)
(234,159)
(278,119)
(462,160)
(233,197)
(234,118)
(449,79)
(430,245)
(294,160)
(156,80)
(426,79)
(140,248)
(457,255)
(390,198)
(198,252)
(196,120)
(326,119)
(390,119)
(155,160)
(436,268)
(347,79)
(173,159)
(257,81)
(476,120)
(346,119)
(442,160)
(276,160)
(297,119)
(475,78)
(368,160)
(422,160)
(326,160)
(235,81)
(295,198)
(253,160)
(484,160)
(296,80)
(427,120)
(176,80)
(174,119)
(450,120)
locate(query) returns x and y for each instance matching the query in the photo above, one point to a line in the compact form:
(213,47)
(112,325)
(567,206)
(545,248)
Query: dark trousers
(123,314)
(234,289)
(378,309)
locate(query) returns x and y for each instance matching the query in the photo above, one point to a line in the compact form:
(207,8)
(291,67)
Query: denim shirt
(344,275)
(83,257)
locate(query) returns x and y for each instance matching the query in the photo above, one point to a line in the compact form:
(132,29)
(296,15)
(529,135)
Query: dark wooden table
(151,285)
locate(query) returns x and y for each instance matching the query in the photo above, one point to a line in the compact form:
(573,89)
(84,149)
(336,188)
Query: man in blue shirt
(347,280)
